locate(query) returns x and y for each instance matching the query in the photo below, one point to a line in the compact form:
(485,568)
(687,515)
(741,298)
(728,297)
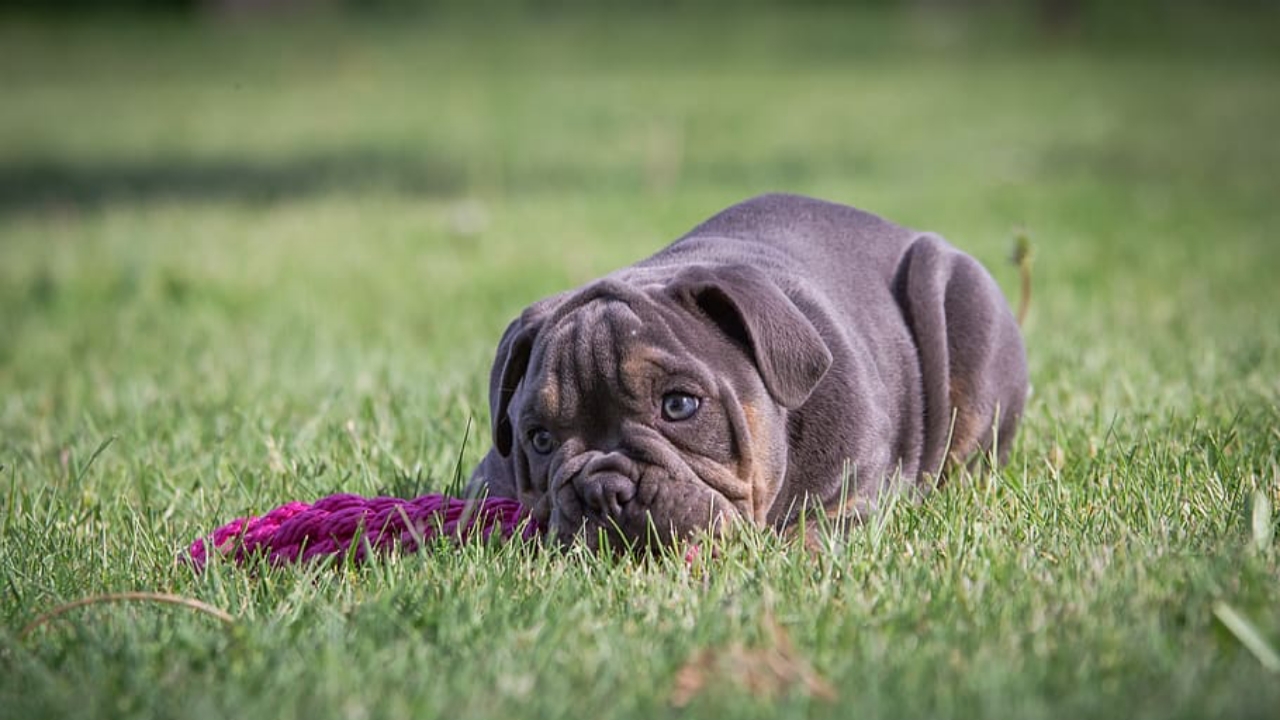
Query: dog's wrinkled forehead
(590,352)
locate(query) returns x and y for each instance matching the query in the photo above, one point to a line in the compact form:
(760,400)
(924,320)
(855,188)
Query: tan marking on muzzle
(760,458)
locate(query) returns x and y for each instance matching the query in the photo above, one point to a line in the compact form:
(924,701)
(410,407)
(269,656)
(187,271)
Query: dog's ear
(754,312)
(509,367)
(972,359)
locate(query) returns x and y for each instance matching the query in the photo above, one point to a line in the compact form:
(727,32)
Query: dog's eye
(678,406)
(541,441)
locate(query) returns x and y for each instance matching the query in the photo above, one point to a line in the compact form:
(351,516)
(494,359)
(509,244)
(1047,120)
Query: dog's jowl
(788,354)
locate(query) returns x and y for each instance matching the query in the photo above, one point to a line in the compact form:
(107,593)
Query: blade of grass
(1248,635)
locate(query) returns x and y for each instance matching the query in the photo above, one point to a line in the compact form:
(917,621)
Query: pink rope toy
(301,531)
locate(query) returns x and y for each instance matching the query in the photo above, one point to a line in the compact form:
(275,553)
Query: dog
(787,356)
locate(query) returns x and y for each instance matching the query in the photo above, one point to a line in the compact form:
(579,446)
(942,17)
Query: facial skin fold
(597,383)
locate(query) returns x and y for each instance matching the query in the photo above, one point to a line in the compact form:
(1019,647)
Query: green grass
(269,263)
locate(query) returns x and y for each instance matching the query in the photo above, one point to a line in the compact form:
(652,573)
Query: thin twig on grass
(1022,258)
(137,596)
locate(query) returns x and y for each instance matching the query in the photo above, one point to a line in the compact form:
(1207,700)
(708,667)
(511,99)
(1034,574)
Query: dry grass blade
(764,672)
(1248,635)
(152,597)
(1263,527)
(1021,257)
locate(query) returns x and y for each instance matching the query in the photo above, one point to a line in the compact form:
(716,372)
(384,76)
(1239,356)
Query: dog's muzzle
(605,485)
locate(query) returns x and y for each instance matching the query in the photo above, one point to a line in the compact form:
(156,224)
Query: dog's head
(643,412)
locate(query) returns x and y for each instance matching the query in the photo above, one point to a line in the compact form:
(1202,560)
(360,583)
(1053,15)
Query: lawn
(246,264)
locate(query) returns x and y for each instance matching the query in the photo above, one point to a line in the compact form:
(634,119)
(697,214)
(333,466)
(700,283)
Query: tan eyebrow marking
(549,395)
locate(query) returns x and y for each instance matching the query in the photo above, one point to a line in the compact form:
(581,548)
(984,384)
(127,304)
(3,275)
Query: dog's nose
(605,493)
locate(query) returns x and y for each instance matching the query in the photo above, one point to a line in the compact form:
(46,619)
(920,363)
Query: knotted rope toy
(298,531)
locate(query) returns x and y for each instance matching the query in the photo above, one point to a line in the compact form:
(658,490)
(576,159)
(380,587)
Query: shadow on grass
(40,184)
(55,184)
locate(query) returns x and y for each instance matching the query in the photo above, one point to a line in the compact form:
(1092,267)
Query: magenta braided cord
(300,531)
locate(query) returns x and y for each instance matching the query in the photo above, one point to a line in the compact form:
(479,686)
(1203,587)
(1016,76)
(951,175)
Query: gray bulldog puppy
(788,353)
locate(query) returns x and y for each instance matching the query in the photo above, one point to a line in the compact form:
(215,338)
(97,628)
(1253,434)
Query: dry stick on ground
(154,597)
(765,671)
(1022,258)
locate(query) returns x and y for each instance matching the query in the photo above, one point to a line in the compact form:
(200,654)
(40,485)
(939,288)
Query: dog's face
(639,415)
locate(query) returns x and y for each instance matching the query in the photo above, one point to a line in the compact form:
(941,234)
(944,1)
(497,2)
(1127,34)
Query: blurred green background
(321,180)
(264,252)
